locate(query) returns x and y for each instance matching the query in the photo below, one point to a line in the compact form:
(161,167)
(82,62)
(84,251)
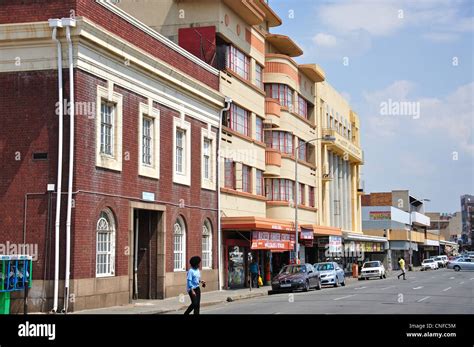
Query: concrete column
(332,171)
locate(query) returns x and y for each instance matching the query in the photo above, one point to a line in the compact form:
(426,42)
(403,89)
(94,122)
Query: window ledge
(246,82)
(243,194)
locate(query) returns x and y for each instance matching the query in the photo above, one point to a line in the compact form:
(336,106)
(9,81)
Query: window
(279,189)
(259,129)
(179,233)
(206,157)
(147,141)
(282,93)
(229,174)
(207,245)
(238,62)
(301,198)
(182,152)
(311,196)
(259,182)
(259,76)
(302,107)
(149,144)
(105,250)
(281,140)
(107,128)
(302,150)
(239,120)
(246,181)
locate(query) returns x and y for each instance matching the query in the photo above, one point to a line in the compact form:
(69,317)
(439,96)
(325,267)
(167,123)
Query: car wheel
(306,286)
(343,283)
(318,287)
(457,268)
(384,275)
(336,284)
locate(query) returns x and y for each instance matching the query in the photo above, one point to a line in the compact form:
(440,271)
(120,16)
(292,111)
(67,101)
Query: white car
(440,260)
(372,269)
(429,264)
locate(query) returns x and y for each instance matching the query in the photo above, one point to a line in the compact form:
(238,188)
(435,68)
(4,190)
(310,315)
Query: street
(431,292)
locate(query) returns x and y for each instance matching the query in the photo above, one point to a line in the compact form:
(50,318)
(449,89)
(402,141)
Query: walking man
(401,262)
(254,274)
(192,285)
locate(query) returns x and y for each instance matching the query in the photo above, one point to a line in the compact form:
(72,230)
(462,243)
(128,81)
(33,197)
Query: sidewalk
(176,304)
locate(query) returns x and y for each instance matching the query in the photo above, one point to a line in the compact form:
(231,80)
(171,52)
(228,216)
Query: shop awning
(362,237)
(403,246)
(250,223)
(321,230)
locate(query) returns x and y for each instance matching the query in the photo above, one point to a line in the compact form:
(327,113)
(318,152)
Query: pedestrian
(192,285)
(254,273)
(401,262)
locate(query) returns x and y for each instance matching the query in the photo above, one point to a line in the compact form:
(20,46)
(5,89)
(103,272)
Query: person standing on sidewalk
(192,285)
(254,272)
(401,262)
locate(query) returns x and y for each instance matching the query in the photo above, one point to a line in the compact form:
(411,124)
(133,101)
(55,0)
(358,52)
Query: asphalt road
(432,292)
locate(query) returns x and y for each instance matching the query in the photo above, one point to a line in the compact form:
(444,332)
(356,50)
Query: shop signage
(306,234)
(335,244)
(272,241)
(380,215)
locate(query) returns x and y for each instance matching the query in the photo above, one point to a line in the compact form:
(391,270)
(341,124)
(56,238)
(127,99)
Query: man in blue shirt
(192,285)
(254,272)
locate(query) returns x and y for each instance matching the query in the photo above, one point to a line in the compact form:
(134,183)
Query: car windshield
(324,267)
(371,264)
(293,269)
(428,261)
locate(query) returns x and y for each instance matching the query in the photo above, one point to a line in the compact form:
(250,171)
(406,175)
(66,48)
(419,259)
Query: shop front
(429,249)
(325,245)
(362,248)
(251,239)
(402,249)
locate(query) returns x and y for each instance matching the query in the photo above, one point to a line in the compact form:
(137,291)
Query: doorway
(146,254)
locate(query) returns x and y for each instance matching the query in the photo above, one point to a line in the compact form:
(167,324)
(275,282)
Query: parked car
(429,264)
(465,263)
(440,260)
(372,269)
(295,277)
(331,274)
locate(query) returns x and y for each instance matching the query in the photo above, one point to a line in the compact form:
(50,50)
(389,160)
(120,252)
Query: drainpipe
(55,24)
(228,102)
(68,23)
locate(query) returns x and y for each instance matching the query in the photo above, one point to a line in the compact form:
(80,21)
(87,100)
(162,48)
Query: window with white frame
(108,128)
(149,141)
(182,152)
(105,245)
(179,235)
(107,111)
(208,165)
(207,245)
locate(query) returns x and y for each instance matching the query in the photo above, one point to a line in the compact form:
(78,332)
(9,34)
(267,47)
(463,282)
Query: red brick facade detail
(377,199)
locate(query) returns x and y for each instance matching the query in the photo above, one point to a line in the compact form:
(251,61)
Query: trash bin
(355,270)
(5,303)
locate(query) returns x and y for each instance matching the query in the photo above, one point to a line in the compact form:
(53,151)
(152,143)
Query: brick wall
(15,11)
(377,199)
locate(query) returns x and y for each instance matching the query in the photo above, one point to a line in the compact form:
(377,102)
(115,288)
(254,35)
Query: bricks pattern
(377,199)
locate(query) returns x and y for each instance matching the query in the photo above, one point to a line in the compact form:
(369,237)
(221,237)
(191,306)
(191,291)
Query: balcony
(343,146)
(272,112)
(420,219)
(272,162)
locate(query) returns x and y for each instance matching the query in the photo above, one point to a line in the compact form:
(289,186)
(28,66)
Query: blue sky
(404,51)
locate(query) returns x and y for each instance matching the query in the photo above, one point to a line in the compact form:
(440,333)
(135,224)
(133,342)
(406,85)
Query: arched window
(179,232)
(105,259)
(207,245)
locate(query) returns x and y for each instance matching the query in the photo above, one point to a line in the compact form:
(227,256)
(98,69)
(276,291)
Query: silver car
(465,263)
(331,274)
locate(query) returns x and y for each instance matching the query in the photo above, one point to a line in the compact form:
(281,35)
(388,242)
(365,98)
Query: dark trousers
(195,301)
(402,274)
(255,280)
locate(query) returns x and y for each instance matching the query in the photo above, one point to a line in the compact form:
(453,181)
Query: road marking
(426,297)
(387,287)
(444,290)
(359,288)
(343,297)
(451,278)
(461,282)
(416,288)
(471,279)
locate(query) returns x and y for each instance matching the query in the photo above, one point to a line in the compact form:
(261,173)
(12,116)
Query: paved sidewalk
(178,303)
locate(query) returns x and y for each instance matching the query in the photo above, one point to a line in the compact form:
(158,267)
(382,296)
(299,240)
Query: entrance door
(145,254)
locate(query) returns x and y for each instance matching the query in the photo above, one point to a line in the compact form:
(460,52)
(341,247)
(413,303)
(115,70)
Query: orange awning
(249,223)
(321,230)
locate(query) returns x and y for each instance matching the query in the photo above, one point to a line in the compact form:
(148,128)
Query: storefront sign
(306,234)
(335,244)
(269,245)
(380,215)
(272,241)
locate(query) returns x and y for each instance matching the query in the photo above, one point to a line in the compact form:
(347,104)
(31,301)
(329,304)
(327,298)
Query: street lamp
(326,138)
(410,251)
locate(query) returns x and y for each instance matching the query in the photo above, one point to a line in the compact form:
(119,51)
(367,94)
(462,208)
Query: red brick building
(144,174)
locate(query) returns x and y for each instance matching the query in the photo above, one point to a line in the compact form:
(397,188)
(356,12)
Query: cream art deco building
(278,107)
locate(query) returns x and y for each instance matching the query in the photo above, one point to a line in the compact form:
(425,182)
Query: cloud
(325,40)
